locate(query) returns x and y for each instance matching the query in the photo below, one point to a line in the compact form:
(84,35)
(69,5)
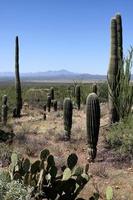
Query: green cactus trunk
(49,103)
(67,115)
(4,112)
(44,107)
(17,83)
(113,75)
(94,88)
(77,95)
(52,93)
(92,124)
(119,39)
(55,105)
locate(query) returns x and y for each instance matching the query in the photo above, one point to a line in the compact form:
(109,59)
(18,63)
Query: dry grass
(33,134)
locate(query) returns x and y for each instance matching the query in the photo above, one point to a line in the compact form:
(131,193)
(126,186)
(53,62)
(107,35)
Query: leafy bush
(5,154)
(103,92)
(16,191)
(120,137)
(4,180)
(11,190)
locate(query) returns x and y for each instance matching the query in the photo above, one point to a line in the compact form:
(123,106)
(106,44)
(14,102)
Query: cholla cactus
(92,124)
(77,95)
(67,114)
(17,83)
(4,113)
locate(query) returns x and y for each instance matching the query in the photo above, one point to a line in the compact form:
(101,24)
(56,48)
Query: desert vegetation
(72,140)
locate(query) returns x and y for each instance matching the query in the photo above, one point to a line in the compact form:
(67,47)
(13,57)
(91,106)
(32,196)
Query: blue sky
(61,34)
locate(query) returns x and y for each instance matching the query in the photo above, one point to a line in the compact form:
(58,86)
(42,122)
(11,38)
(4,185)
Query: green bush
(120,137)
(16,191)
(11,190)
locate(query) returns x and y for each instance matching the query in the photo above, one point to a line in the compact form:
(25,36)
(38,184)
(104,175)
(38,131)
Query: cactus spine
(113,74)
(67,114)
(77,95)
(49,102)
(92,124)
(4,110)
(17,83)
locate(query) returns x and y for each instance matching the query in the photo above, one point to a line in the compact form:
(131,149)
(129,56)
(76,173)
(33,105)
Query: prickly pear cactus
(77,95)
(67,115)
(92,124)
(43,176)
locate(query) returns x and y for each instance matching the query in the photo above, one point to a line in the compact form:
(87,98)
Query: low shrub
(120,137)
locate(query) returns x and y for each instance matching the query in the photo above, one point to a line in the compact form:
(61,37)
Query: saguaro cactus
(55,105)
(113,75)
(17,82)
(92,124)
(94,88)
(119,39)
(49,102)
(67,114)
(77,95)
(52,93)
(4,113)
(44,107)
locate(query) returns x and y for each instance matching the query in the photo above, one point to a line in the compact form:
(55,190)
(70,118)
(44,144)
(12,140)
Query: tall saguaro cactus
(48,102)
(92,124)
(94,88)
(119,39)
(113,74)
(67,114)
(77,95)
(17,82)
(52,93)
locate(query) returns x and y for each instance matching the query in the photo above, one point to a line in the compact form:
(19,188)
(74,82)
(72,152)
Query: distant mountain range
(60,75)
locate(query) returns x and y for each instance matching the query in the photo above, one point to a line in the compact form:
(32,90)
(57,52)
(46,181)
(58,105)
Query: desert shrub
(85,90)
(16,191)
(4,180)
(5,154)
(120,137)
(103,92)
(11,190)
